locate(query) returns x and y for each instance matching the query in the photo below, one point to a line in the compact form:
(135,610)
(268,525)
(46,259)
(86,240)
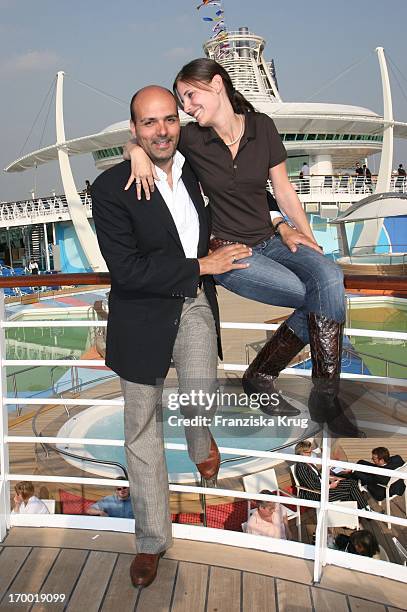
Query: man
(162,303)
(116,506)
(269,519)
(359,177)
(401,178)
(304,174)
(368,178)
(380,457)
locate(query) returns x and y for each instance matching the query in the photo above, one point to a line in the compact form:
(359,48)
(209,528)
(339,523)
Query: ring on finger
(138,181)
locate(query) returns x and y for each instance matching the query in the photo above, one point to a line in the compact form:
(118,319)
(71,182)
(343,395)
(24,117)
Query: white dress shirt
(180,206)
(33,506)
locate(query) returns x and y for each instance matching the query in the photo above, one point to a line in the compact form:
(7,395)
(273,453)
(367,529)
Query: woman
(25,502)
(269,519)
(308,476)
(234,150)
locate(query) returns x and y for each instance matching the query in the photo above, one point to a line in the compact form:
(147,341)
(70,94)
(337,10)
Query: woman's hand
(142,171)
(17,501)
(291,238)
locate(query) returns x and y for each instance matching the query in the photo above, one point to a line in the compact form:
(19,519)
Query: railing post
(4,458)
(321,529)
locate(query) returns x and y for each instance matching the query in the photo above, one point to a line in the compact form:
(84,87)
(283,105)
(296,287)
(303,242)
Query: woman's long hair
(201,71)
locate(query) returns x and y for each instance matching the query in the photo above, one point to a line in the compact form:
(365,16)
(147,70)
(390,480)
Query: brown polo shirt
(236,187)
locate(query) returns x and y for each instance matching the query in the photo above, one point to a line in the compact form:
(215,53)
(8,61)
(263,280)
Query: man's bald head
(155,124)
(144,96)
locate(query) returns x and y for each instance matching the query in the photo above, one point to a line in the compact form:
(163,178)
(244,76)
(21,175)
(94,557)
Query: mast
(386,159)
(77,211)
(372,228)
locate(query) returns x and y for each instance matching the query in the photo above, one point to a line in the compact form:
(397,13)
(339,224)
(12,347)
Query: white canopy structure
(289,117)
(377,206)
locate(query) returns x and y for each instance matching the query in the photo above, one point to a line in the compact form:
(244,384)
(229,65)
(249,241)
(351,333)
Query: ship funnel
(242,45)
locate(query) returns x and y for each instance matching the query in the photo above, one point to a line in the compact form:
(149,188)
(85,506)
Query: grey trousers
(195,360)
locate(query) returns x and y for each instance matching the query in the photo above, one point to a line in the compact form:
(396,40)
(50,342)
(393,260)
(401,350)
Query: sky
(118,47)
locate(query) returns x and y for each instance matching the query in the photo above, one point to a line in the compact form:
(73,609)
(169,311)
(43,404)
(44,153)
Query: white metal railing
(39,210)
(312,188)
(315,187)
(321,554)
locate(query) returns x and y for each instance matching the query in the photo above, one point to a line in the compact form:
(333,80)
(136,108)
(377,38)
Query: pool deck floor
(93,574)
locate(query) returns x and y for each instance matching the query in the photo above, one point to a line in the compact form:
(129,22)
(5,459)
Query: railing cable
(99,91)
(332,81)
(38,114)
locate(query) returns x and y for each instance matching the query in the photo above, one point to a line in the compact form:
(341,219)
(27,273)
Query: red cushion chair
(190,518)
(73,504)
(227,516)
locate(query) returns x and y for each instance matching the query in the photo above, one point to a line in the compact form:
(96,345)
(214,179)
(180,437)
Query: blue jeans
(306,280)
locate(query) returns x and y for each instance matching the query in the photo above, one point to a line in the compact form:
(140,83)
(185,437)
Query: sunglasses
(121,488)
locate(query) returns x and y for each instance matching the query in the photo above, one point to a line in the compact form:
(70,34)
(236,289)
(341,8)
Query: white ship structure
(329,137)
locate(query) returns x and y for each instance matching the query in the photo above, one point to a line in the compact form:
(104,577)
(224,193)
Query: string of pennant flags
(219,28)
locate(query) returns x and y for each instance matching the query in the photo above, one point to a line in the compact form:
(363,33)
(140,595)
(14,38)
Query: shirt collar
(177,164)
(209,134)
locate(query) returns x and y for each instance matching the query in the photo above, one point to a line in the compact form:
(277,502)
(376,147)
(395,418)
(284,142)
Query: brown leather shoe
(143,569)
(209,468)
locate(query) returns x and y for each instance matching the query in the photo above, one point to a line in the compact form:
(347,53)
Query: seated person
(361,542)
(25,502)
(340,489)
(380,457)
(115,506)
(269,519)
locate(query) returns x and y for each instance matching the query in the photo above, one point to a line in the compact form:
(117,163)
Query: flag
(218,27)
(208,3)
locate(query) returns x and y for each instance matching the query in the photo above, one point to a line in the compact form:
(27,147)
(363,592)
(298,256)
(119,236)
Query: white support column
(321,529)
(4,458)
(386,159)
(47,261)
(321,164)
(372,228)
(77,211)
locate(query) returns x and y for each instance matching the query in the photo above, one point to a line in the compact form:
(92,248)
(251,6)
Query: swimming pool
(43,343)
(106,422)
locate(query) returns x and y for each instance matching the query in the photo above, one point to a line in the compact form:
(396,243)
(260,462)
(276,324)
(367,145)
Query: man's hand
(225,259)
(333,484)
(291,238)
(142,171)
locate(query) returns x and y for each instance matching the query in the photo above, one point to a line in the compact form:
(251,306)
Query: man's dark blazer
(150,275)
(373,481)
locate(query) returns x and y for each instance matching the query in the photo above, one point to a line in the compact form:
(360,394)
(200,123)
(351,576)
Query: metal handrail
(336,183)
(351,281)
(66,453)
(357,353)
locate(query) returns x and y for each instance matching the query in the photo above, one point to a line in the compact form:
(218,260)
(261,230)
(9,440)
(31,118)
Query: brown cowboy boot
(326,338)
(275,355)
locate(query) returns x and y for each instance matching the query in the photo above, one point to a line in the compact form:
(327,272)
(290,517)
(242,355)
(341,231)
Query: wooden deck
(93,574)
